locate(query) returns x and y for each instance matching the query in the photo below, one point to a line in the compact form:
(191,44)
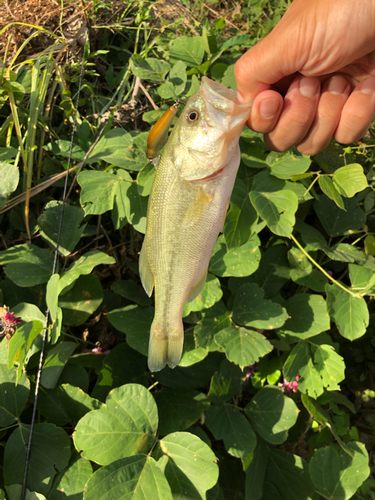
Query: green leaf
(98,191)
(21,342)
(274,204)
(13,398)
(145,179)
(272,414)
(229,79)
(318,366)
(210,294)
(191,469)
(127,423)
(70,234)
(240,261)
(213,321)
(119,147)
(252,155)
(285,165)
(227,423)
(71,482)
(61,147)
(50,453)
(336,221)
(308,317)
(132,291)
(179,409)
(137,478)
(52,304)
(55,363)
(84,265)
(287,476)
(256,472)
(149,69)
(328,188)
(362,279)
(227,382)
(76,402)
(122,365)
(27,265)
(138,209)
(135,322)
(191,354)
(335,474)
(15,491)
(10,176)
(189,50)
(79,302)
(350,313)
(251,309)
(121,203)
(241,218)
(242,346)
(350,180)
(272,274)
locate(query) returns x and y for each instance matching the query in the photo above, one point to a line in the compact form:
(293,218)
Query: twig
(148,96)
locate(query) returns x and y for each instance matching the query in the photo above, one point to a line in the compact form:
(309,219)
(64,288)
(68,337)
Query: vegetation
(274,395)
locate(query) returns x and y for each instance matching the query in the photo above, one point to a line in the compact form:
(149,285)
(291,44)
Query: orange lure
(158,135)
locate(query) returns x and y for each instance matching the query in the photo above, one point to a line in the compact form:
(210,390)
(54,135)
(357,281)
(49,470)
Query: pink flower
(8,322)
(11,319)
(290,386)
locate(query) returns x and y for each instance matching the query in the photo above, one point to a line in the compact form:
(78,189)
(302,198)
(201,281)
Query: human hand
(321,58)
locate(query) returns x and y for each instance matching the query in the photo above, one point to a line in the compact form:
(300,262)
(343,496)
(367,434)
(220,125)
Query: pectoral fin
(147,279)
(197,207)
(196,290)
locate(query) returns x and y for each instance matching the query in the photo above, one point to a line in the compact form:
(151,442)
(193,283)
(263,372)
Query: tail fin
(165,347)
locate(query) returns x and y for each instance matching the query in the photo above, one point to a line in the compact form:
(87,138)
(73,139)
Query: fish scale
(186,211)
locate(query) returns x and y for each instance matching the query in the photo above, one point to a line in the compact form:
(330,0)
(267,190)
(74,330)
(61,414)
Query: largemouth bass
(186,211)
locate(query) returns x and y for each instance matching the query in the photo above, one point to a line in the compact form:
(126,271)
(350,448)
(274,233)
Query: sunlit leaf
(285,165)
(350,180)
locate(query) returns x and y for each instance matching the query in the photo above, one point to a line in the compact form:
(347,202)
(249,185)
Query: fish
(186,210)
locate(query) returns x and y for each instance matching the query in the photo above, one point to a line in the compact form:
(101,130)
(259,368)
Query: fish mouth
(222,98)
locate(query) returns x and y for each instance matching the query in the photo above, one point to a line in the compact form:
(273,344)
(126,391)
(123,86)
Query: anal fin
(145,273)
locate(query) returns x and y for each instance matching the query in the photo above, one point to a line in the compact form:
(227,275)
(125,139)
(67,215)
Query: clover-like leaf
(285,165)
(350,180)
(271,414)
(240,261)
(209,295)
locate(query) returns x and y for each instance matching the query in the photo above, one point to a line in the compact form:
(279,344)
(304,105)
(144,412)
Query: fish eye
(192,116)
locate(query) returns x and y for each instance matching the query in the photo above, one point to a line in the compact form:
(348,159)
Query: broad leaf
(149,69)
(98,191)
(82,300)
(240,261)
(71,482)
(350,313)
(328,188)
(13,398)
(21,342)
(145,179)
(251,309)
(137,478)
(71,232)
(127,423)
(274,204)
(50,453)
(241,217)
(337,221)
(84,265)
(335,474)
(54,363)
(213,321)
(189,50)
(9,175)
(135,322)
(350,180)
(308,317)
(27,265)
(138,208)
(210,294)
(229,424)
(272,414)
(191,469)
(76,402)
(179,409)
(285,165)
(242,346)
(256,472)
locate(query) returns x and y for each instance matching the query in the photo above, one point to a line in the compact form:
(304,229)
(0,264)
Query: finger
(335,92)
(298,114)
(358,112)
(265,111)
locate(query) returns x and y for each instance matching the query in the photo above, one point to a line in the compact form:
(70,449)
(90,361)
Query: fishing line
(54,268)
